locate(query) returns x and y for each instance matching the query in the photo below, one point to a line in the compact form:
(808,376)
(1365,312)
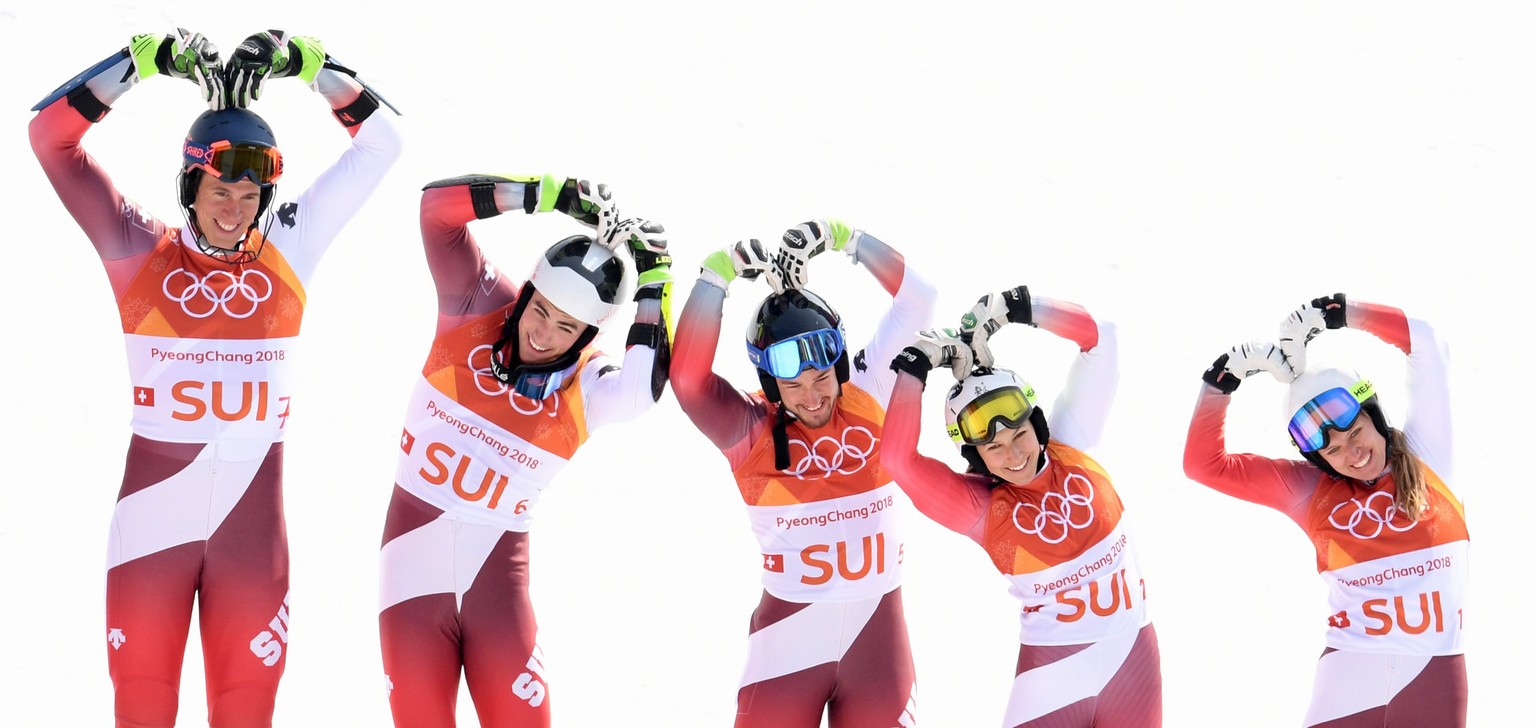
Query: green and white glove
(647,243)
(744,259)
(181,54)
(271,53)
(808,240)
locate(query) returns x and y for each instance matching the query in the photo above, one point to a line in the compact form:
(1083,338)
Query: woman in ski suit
(1389,537)
(1043,509)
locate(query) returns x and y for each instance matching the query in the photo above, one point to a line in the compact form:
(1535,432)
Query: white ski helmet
(582,279)
(1329,399)
(988,399)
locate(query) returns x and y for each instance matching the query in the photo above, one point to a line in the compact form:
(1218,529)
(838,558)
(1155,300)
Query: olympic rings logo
(490,386)
(1367,513)
(857,444)
(220,290)
(1058,511)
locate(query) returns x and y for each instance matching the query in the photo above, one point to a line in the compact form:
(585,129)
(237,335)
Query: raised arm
(957,502)
(341,190)
(1283,485)
(1078,416)
(116,227)
(726,415)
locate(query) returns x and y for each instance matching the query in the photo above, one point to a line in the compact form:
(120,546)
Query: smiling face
(1359,452)
(1013,454)
(545,332)
(811,396)
(224,211)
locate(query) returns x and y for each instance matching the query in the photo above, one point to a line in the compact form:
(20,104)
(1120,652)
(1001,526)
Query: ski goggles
(785,359)
(1335,409)
(537,386)
(978,422)
(229,162)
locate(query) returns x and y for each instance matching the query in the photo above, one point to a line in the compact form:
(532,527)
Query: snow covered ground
(1191,170)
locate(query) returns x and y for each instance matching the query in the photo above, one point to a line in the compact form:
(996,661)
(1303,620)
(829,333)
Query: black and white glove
(647,243)
(591,204)
(270,53)
(181,54)
(1245,360)
(1305,323)
(744,259)
(935,348)
(808,240)
(989,314)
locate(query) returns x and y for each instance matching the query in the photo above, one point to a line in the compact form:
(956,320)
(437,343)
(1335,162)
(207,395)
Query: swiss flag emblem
(773,563)
(144,396)
(407,441)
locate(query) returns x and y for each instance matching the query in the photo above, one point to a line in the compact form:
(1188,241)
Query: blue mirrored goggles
(1334,409)
(786,359)
(539,385)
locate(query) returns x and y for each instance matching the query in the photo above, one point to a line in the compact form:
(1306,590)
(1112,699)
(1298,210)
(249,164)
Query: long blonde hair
(1412,493)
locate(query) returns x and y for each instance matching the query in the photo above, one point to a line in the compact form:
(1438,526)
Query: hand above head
(647,243)
(1245,360)
(270,53)
(744,259)
(935,348)
(808,240)
(1305,323)
(181,54)
(591,204)
(989,314)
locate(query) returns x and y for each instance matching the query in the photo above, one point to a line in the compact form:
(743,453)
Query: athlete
(1043,509)
(210,311)
(829,634)
(511,388)
(1389,536)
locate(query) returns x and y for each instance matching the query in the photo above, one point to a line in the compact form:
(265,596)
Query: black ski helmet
(238,129)
(784,315)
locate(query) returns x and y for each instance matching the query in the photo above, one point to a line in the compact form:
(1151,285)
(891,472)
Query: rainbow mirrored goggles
(785,359)
(1334,409)
(229,162)
(978,422)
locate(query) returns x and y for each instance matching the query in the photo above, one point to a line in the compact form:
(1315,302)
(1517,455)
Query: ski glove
(989,314)
(935,348)
(181,54)
(1305,323)
(647,243)
(808,240)
(744,259)
(1245,360)
(270,53)
(591,204)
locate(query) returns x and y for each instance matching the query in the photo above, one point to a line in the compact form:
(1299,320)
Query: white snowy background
(1190,170)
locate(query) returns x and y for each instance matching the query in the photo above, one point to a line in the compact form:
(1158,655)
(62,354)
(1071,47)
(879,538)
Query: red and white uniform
(1396,588)
(1088,653)
(210,350)
(474,458)
(829,634)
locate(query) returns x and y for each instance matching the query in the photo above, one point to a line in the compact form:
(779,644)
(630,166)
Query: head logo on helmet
(231,145)
(794,331)
(584,280)
(986,401)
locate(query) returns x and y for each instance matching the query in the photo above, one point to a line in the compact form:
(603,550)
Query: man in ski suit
(210,309)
